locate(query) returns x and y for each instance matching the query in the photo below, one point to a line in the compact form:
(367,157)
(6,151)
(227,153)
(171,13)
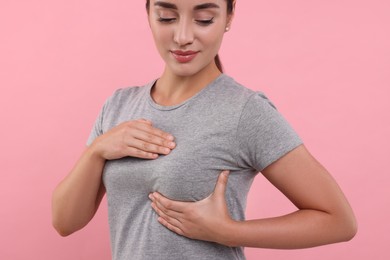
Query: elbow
(62,224)
(62,230)
(351,229)
(65,224)
(348,228)
(59,224)
(61,219)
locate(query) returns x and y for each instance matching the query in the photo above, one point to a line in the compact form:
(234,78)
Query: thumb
(220,187)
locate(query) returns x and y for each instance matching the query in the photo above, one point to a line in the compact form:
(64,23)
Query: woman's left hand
(206,219)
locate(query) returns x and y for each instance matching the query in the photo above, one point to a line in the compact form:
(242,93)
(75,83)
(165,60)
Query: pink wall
(326,64)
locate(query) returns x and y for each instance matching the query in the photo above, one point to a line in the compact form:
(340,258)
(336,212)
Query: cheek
(213,36)
(213,41)
(161,37)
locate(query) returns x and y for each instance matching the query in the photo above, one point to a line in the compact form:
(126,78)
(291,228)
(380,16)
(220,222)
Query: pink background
(325,64)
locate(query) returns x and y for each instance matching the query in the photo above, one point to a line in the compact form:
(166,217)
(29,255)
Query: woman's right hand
(136,138)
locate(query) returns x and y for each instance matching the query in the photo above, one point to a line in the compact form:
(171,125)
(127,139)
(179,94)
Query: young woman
(177,156)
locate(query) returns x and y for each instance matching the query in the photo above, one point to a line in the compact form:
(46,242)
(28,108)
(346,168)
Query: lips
(184,56)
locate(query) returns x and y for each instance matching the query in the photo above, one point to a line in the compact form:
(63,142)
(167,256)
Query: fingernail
(225,173)
(150,196)
(171,144)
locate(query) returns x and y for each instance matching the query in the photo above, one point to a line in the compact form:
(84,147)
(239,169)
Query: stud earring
(227,29)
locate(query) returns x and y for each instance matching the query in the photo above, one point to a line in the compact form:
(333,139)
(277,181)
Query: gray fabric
(224,127)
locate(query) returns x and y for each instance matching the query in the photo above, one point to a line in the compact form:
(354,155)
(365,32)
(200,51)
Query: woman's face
(188,34)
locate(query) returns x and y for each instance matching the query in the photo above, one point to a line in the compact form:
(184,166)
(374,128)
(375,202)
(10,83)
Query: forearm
(76,199)
(324,214)
(301,229)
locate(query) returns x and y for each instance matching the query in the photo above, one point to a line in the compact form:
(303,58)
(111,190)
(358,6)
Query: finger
(146,131)
(167,204)
(146,121)
(148,135)
(171,227)
(163,211)
(134,152)
(148,147)
(145,126)
(175,221)
(222,181)
(155,131)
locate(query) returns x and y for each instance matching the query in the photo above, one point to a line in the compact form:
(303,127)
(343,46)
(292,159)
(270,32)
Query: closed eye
(201,22)
(205,22)
(166,20)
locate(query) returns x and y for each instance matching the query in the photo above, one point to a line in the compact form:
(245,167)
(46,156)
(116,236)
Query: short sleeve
(97,128)
(263,134)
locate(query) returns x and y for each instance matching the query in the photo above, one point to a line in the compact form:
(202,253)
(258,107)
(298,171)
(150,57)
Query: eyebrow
(173,6)
(206,6)
(165,5)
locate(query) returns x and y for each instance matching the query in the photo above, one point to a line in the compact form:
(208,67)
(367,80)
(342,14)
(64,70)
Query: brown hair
(230,8)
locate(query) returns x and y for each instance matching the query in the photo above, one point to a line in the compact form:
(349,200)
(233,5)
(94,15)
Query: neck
(171,89)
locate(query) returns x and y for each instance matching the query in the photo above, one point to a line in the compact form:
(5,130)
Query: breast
(175,178)
(188,173)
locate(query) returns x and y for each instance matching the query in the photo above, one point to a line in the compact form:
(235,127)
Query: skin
(323,214)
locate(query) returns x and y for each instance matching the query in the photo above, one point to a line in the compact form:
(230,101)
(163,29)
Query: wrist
(95,153)
(228,234)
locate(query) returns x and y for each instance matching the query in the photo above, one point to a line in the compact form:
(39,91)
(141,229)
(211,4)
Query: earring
(227,29)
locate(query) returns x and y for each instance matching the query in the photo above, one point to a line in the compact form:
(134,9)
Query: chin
(188,69)
(184,71)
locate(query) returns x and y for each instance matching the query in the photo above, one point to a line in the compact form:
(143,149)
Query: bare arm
(323,216)
(77,198)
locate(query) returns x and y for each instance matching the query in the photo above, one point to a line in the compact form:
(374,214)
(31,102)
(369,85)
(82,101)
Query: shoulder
(125,95)
(231,87)
(236,92)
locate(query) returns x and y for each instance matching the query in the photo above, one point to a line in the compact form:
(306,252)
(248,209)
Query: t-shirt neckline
(161,107)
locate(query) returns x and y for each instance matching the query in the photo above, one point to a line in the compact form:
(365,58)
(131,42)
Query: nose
(184,34)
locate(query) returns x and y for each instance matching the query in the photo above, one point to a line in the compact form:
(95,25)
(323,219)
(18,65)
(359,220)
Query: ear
(231,15)
(229,21)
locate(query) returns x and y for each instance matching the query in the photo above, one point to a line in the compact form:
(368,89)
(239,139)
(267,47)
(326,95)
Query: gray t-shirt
(223,127)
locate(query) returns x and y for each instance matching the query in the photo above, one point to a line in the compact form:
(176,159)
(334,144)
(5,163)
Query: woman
(177,156)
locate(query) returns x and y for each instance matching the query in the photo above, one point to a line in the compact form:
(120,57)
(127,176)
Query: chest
(205,145)
(188,173)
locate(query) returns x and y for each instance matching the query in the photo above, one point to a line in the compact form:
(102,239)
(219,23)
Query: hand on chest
(188,173)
